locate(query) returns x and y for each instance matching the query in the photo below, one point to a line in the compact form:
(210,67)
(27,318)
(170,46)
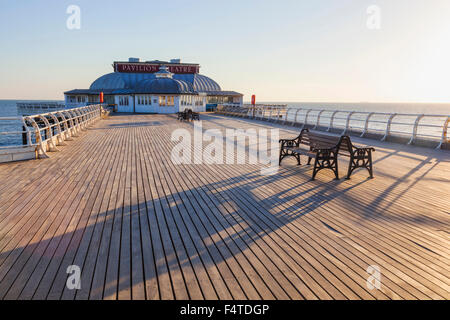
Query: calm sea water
(8,109)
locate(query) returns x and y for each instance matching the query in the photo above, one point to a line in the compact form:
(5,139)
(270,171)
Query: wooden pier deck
(140,227)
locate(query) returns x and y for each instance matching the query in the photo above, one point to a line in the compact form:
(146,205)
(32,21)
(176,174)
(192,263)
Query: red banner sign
(152,68)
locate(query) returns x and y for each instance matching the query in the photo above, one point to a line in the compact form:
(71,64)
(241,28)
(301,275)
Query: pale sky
(298,50)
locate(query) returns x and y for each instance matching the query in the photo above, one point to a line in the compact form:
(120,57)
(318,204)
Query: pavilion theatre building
(154,87)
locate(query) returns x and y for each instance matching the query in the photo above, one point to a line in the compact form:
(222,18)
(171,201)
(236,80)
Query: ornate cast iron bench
(325,148)
(187,115)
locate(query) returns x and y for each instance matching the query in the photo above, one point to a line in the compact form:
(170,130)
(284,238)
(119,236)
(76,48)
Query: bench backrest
(323,140)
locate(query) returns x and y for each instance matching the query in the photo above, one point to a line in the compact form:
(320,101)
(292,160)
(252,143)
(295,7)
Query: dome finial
(163,72)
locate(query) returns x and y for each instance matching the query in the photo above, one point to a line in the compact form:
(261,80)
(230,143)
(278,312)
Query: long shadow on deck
(187,229)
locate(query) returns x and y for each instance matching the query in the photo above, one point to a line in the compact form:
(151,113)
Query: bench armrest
(291,142)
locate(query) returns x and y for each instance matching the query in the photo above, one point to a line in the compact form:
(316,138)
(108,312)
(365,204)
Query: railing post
(48,129)
(270,115)
(415,127)
(366,124)
(77,119)
(318,119)
(59,136)
(286,116)
(27,141)
(66,131)
(90,116)
(278,115)
(306,118)
(73,123)
(40,144)
(444,133)
(296,115)
(347,123)
(388,127)
(332,120)
(84,116)
(81,117)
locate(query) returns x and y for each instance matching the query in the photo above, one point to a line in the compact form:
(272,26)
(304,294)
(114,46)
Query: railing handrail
(347,120)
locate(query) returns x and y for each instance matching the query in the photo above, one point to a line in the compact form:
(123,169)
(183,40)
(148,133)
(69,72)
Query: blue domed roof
(109,81)
(118,80)
(200,82)
(164,85)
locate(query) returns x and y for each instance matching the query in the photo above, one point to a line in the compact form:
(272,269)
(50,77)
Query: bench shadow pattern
(244,225)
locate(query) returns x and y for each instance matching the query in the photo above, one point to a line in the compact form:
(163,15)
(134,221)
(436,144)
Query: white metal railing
(48,130)
(40,105)
(409,126)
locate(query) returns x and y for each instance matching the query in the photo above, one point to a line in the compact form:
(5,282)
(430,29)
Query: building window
(171,101)
(72,99)
(81,99)
(162,100)
(198,101)
(123,101)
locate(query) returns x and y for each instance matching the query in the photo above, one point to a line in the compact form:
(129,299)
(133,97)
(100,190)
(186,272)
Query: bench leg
(336,168)
(360,158)
(309,158)
(326,160)
(284,154)
(316,169)
(370,168)
(297,156)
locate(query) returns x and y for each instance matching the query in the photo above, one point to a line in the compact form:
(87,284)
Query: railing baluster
(414,131)
(388,126)
(306,118)
(366,124)
(332,120)
(444,133)
(347,123)
(286,116)
(318,119)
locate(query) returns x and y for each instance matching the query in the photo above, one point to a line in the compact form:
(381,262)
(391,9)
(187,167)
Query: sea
(8,109)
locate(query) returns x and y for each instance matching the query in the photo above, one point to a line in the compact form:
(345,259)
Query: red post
(101,97)
(253,99)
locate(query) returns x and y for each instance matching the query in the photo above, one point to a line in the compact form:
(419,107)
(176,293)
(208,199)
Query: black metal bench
(325,148)
(187,115)
(195,116)
(181,116)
